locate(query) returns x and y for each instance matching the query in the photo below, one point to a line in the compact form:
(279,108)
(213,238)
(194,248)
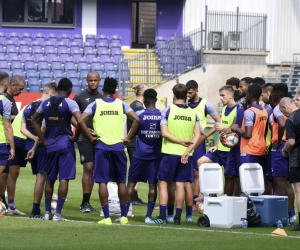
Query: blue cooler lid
(211,179)
(252,179)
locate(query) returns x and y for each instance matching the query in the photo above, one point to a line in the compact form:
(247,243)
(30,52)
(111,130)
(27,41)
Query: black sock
(135,196)
(2,197)
(86,198)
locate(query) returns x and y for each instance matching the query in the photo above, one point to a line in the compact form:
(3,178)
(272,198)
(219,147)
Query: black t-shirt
(292,126)
(136,106)
(14,108)
(83,100)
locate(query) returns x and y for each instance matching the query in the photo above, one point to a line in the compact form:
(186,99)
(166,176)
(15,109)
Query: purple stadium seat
(90,38)
(12,53)
(39,37)
(16,63)
(76,55)
(103,39)
(104,54)
(186,43)
(115,47)
(32,73)
(70,64)
(71,73)
(65,38)
(64,55)
(160,41)
(34,84)
(181,66)
(37,54)
(11,44)
(96,64)
(62,45)
(52,38)
(108,63)
(167,68)
(82,63)
(101,72)
(36,45)
(164,52)
(116,39)
(51,54)
(49,45)
(117,55)
(78,38)
(45,80)
(102,46)
(88,46)
(18,72)
(56,63)
(125,75)
(24,45)
(3,36)
(75,46)
(27,37)
(14,36)
(90,54)
(29,62)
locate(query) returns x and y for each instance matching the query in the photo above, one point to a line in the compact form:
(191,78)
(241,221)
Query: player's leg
(198,153)
(3,184)
(101,176)
(188,201)
(13,175)
(3,163)
(171,201)
(86,150)
(291,196)
(297,190)
(230,170)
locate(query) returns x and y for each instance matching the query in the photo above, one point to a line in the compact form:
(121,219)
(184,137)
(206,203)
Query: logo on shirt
(109,112)
(48,104)
(152,117)
(152,126)
(224,122)
(182,118)
(87,99)
(263,118)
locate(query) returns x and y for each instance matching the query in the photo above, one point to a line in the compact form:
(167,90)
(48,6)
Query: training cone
(279,232)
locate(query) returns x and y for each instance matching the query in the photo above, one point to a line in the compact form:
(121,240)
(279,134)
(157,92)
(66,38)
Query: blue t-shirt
(149,140)
(57,137)
(26,114)
(91,109)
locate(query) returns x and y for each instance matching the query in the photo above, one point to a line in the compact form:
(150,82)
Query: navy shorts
(109,166)
(218,156)
(233,162)
(38,162)
(143,170)
(61,163)
(198,153)
(248,158)
(280,164)
(268,166)
(20,153)
(172,170)
(4,154)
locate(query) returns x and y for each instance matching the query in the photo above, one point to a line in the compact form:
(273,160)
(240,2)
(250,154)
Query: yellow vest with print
(108,121)
(226,121)
(3,138)
(181,123)
(200,111)
(16,124)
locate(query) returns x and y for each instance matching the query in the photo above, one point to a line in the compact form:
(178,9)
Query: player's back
(58,111)
(149,140)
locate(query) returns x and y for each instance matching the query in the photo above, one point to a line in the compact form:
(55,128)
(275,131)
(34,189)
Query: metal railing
(235,30)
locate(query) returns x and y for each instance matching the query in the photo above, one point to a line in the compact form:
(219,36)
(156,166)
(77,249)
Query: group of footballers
(169,144)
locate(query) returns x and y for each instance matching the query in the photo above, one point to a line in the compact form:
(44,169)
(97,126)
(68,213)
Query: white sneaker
(58,218)
(170,219)
(48,216)
(149,221)
(14,212)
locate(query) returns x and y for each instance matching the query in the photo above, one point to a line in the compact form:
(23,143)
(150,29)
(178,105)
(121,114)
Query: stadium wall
(212,79)
(58,31)
(283,32)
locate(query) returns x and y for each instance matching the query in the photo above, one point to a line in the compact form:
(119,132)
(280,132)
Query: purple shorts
(109,166)
(62,163)
(233,162)
(20,153)
(143,170)
(248,158)
(218,156)
(280,164)
(172,170)
(38,163)
(4,154)
(198,153)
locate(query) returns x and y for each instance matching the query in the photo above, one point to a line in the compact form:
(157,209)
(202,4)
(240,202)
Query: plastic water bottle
(279,223)
(245,223)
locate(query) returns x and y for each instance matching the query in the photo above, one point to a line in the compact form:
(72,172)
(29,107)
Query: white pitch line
(172,228)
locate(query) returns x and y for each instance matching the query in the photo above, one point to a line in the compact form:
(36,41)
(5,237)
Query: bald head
(16,85)
(287,106)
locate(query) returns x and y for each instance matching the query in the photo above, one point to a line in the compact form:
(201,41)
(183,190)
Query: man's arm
(12,117)
(81,127)
(249,122)
(281,127)
(135,124)
(26,132)
(10,137)
(36,121)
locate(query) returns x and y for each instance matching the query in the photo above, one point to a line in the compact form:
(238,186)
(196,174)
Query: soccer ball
(53,206)
(2,208)
(200,208)
(229,140)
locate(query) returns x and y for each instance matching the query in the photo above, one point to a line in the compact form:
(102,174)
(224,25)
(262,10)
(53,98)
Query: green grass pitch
(83,232)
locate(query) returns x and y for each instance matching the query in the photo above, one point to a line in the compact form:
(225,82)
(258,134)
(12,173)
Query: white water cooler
(222,211)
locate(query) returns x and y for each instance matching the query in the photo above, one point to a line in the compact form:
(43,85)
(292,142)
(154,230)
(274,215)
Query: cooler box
(270,207)
(222,211)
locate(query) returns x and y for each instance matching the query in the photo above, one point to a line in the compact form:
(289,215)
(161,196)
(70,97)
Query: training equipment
(2,208)
(270,207)
(229,140)
(222,211)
